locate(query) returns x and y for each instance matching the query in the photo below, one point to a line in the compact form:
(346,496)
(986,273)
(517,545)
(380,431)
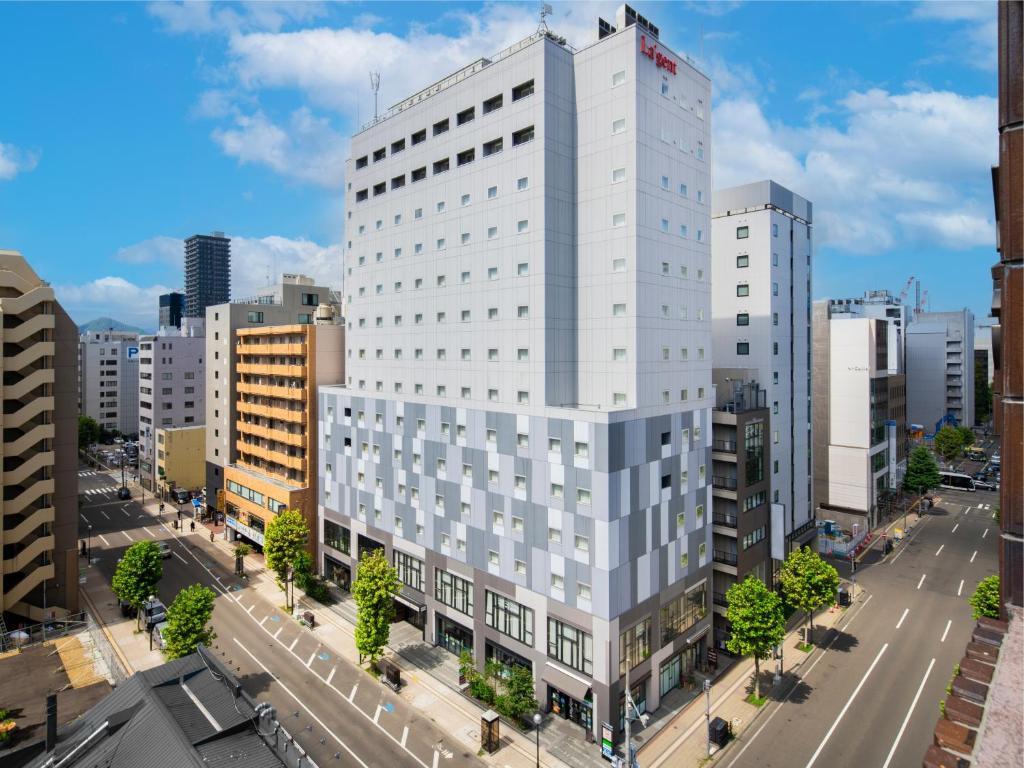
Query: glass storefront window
(410,570)
(337,536)
(453,591)
(509,617)
(634,645)
(573,647)
(683,612)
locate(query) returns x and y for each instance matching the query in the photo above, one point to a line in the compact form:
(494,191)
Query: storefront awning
(566,683)
(410,598)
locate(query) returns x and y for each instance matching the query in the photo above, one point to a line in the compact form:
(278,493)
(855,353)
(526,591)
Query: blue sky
(126,127)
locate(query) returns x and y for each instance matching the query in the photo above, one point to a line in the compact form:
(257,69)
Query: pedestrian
(211,537)
(192,526)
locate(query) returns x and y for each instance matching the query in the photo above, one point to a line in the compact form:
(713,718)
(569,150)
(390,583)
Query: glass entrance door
(670,674)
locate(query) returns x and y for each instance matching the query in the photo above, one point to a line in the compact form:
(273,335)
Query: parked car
(123,492)
(127,609)
(165,549)
(994,459)
(153,612)
(158,635)
(980,475)
(985,485)
(182,496)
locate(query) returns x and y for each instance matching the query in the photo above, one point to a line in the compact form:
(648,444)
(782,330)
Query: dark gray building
(207,272)
(172,307)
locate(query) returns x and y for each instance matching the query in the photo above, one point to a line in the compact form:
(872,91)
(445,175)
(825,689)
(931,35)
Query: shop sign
(607,747)
(660,59)
(245,530)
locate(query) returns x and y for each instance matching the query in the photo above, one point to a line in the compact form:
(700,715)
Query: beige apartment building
(278,370)
(179,457)
(39,511)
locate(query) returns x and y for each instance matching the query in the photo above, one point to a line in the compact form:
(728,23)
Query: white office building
(108,379)
(761,307)
(171,391)
(882,305)
(525,425)
(940,368)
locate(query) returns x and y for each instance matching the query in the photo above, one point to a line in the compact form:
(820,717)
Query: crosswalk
(89,473)
(99,491)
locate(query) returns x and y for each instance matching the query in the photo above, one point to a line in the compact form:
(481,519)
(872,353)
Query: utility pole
(628,701)
(707,711)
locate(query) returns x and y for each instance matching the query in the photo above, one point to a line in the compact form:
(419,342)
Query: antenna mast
(375,87)
(545,11)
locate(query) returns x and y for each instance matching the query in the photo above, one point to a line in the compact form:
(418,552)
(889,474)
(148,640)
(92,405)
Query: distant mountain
(107,323)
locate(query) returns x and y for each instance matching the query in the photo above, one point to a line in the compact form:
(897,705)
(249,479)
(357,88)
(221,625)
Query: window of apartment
(440,127)
(523,225)
(523,397)
(618,219)
(493,147)
(775,289)
(419,175)
(742,289)
(361,162)
(419,137)
(775,230)
(664,225)
(618,398)
(618,265)
(398,181)
(618,174)
(453,591)
(775,348)
(409,569)
(618,354)
(522,136)
(742,348)
(634,645)
(618,310)
(743,318)
(570,646)
(492,192)
(492,313)
(664,182)
(379,189)
(522,354)
(441,166)
(522,183)
(683,612)
(618,78)
(255,317)
(522,90)
(466,156)
(775,259)
(523,311)
(509,617)
(619,126)
(465,116)
(742,261)
(492,355)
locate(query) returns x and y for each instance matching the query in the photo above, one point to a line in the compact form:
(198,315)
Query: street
(339,713)
(871,697)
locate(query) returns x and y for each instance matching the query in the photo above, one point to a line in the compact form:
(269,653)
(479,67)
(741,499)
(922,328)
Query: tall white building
(526,424)
(940,368)
(761,306)
(171,391)
(108,379)
(883,305)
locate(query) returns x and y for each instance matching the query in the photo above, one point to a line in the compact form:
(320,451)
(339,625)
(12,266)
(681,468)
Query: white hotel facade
(525,426)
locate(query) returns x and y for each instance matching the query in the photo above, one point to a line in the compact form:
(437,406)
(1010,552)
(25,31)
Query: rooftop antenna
(545,11)
(375,87)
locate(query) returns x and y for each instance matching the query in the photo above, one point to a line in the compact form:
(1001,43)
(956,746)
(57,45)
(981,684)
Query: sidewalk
(683,743)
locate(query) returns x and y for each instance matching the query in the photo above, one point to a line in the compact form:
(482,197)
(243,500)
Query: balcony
(268,390)
(723,446)
(270,349)
(725,483)
(272,369)
(281,436)
(718,598)
(270,455)
(724,557)
(720,518)
(297,416)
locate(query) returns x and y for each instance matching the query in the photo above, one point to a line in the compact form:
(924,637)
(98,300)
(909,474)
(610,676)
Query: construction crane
(924,300)
(906,289)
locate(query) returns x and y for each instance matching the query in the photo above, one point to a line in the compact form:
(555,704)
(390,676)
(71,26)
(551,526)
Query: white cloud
(112,296)
(254,260)
(198,17)
(975,42)
(306,149)
(909,167)
(155,250)
(14,161)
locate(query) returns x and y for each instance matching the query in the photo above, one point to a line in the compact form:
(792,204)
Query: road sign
(131,353)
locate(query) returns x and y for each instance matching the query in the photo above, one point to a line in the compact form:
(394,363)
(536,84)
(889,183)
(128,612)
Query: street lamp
(88,555)
(536,727)
(707,710)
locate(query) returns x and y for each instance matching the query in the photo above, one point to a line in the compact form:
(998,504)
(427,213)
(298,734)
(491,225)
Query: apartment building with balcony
(278,370)
(171,393)
(762,248)
(525,423)
(940,368)
(39,511)
(179,457)
(295,299)
(853,436)
(108,379)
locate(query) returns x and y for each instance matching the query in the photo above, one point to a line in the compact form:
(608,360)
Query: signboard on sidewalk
(607,746)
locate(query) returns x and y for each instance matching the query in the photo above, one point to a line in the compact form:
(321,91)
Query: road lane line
(86,519)
(945,632)
(376,715)
(127,536)
(278,632)
(331,676)
(900,622)
(910,711)
(437,758)
(103,539)
(149,531)
(921,581)
(974,555)
(955,527)
(105,514)
(960,588)
(846,706)
(405,735)
(352,696)
(181,558)
(939,550)
(301,704)
(264,620)
(984,533)
(310,660)
(294,643)
(249,609)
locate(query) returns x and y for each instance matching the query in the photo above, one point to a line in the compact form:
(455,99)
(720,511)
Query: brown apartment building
(39,512)
(278,370)
(1008,301)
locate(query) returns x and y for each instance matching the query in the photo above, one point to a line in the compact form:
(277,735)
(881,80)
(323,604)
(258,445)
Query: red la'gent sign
(651,52)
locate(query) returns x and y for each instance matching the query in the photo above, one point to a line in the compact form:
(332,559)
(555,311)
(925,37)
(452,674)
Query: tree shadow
(792,688)
(257,683)
(843,641)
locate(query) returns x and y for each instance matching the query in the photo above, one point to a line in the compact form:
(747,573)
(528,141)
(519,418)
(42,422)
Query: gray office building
(940,368)
(207,272)
(172,307)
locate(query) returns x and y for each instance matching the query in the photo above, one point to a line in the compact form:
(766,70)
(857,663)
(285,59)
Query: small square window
(523,226)
(619,398)
(492,232)
(619,126)
(523,183)
(618,219)
(492,192)
(742,348)
(618,78)
(465,199)
(618,265)
(618,174)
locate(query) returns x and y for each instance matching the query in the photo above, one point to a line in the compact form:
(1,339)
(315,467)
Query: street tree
(922,472)
(985,600)
(808,583)
(241,550)
(374,589)
(966,437)
(188,620)
(518,699)
(138,573)
(756,621)
(88,432)
(949,442)
(286,535)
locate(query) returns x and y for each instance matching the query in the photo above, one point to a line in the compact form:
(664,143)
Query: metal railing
(725,446)
(720,518)
(25,637)
(727,558)
(728,483)
(718,598)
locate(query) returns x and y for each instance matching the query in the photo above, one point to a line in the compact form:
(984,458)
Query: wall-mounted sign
(660,59)
(245,530)
(131,353)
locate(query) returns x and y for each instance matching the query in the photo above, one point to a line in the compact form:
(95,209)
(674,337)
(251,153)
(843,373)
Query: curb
(110,637)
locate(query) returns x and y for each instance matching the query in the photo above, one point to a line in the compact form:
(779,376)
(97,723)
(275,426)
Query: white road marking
(846,706)
(939,550)
(405,735)
(249,609)
(974,555)
(278,632)
(984,533)
(103,539)
(960,588)
(177,555)
(149,531)
(376,715)
(127,536)
(437,758)
(104,514)
(294,643)
(264,620)
(921,581)
(86,519)
(299,701)
(352,696)
(955,527)
(900,622)
(910,711)
(945,632)
(331,676)
(309,661)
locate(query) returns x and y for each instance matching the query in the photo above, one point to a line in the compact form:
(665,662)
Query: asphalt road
(336,711)
(871,697)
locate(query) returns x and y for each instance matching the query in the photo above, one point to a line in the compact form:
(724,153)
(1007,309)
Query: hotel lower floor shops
(461,609)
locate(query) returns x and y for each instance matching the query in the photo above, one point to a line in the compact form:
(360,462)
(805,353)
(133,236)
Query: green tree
(949,442)
(138,573)
(985,600)
(756,620)
(88,431)
(241,550)
(188,621)
(966,437)
(808,583)
(982,392)
(285,537)
(922,472)
(518,698)
(374,589)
